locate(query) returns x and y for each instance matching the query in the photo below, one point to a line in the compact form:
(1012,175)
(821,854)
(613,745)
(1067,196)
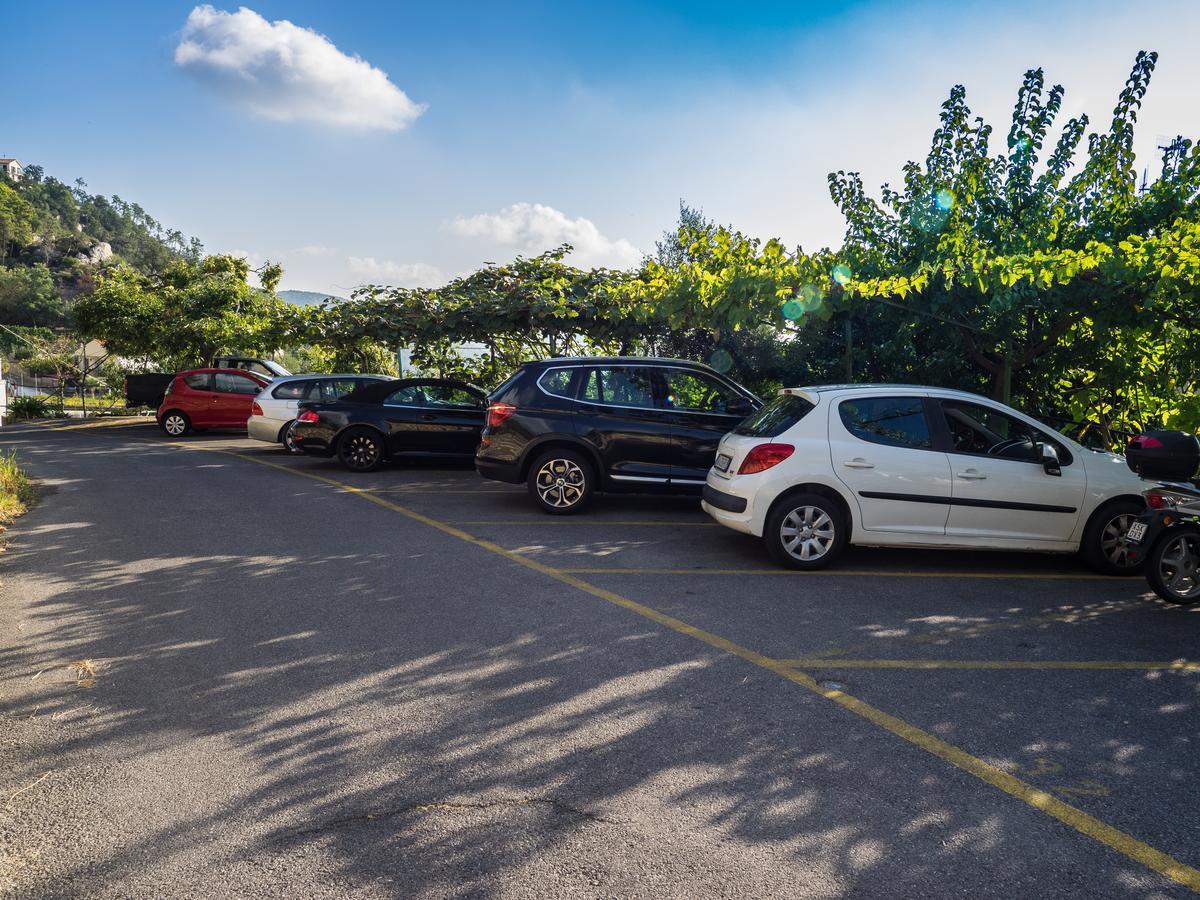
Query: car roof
(313,377)
(259,375)
(610,360)
(876,388)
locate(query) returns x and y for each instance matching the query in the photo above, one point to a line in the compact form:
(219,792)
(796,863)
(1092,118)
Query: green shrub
(16,491)
(28,408)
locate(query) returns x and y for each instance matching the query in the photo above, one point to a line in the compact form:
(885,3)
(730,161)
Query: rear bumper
(509,472)
(722,501)
(260,428)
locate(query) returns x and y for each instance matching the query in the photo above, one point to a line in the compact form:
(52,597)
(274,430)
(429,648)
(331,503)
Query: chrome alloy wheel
(807,533)
(362,451)
(560,483)
(1179,566)
(174,425)
(1113,543)
(289,439)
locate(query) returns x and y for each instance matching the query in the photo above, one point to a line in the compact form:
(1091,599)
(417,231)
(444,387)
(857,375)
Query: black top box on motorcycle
(1169,455)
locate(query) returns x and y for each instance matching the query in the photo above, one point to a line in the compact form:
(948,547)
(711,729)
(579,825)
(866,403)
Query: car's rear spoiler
(811,396)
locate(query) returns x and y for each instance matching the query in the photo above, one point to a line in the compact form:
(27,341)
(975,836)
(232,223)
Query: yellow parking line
(858,573)
(560,520)
(1069,815)
(1181,665)
(94,423)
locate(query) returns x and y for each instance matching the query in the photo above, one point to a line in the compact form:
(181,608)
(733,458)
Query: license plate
(723,461)
(1136,532)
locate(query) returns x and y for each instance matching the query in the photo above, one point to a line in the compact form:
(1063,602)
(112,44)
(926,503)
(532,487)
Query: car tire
(361,449)
(806,531)
(1103,545)
(287,440)
(561,481)
(175,424)
(1177,552)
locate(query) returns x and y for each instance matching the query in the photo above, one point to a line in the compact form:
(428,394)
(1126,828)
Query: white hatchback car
(276,406)
(818,468)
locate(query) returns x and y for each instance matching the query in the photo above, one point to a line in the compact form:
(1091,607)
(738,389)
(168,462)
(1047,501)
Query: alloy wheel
(1113,543)
(289,439)
(174,425)
(807,533)
(1179,566)
(362,452)
(561,483)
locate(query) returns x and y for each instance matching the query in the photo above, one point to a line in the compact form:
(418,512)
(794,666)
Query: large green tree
(191,311)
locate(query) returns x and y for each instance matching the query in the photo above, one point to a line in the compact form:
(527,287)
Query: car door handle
(428,417)
(972,475)
(858,463)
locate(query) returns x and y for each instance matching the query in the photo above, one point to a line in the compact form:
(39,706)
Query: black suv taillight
(498,412)
(308,416)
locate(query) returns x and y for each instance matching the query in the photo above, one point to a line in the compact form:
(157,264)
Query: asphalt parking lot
(413,683)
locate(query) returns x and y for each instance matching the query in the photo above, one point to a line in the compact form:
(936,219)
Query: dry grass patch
(84,671)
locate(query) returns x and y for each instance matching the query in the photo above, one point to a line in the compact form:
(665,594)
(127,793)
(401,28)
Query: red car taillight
(308,416)
(255,409)
(1144,442)
(764,456)
(498,412)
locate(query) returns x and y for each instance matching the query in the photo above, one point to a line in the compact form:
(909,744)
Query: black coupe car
(405,417)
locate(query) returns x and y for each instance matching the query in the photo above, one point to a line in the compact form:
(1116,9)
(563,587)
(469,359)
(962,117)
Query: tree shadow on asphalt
(437,742)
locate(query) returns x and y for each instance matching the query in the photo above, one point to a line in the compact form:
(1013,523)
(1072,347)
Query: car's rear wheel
(1104,546)
(561,481)
(806,531)
(175,423)
(361,450)
(1173,566)
(288,439)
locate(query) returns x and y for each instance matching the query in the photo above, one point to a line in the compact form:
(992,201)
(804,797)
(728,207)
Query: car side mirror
(1050,460)
(739,406)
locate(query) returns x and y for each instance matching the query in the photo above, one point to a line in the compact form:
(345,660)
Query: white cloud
(287,73)
(400,274)
(533,228)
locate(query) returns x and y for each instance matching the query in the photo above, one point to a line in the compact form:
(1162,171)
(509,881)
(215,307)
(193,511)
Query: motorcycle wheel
(1173,565)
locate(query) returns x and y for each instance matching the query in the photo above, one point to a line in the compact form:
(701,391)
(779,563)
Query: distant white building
(12,168)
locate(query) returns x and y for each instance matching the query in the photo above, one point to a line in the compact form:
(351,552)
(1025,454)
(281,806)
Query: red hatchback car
(208,398)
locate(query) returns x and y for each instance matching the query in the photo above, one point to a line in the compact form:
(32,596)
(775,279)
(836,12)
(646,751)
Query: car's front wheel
(806,531)
(1104,546)
(361,450)
(560,482)
(176,424)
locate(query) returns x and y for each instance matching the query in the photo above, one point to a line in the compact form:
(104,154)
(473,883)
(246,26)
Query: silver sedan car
(276,406)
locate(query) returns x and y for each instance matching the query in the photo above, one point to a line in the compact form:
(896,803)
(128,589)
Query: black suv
(569,427)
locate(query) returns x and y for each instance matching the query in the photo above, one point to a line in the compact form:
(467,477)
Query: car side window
(620,386)
(228,383)
(448,395)
(336,388)
(198,382)
(410,395)
(983,431)
(556,382)
(894,421)
(697,392)
(292,390)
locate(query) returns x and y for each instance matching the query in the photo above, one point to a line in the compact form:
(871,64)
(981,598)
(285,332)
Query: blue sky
(495,129)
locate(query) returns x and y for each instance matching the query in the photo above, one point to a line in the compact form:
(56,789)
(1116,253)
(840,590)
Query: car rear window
(198,382)
(776,417)
(291,390)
